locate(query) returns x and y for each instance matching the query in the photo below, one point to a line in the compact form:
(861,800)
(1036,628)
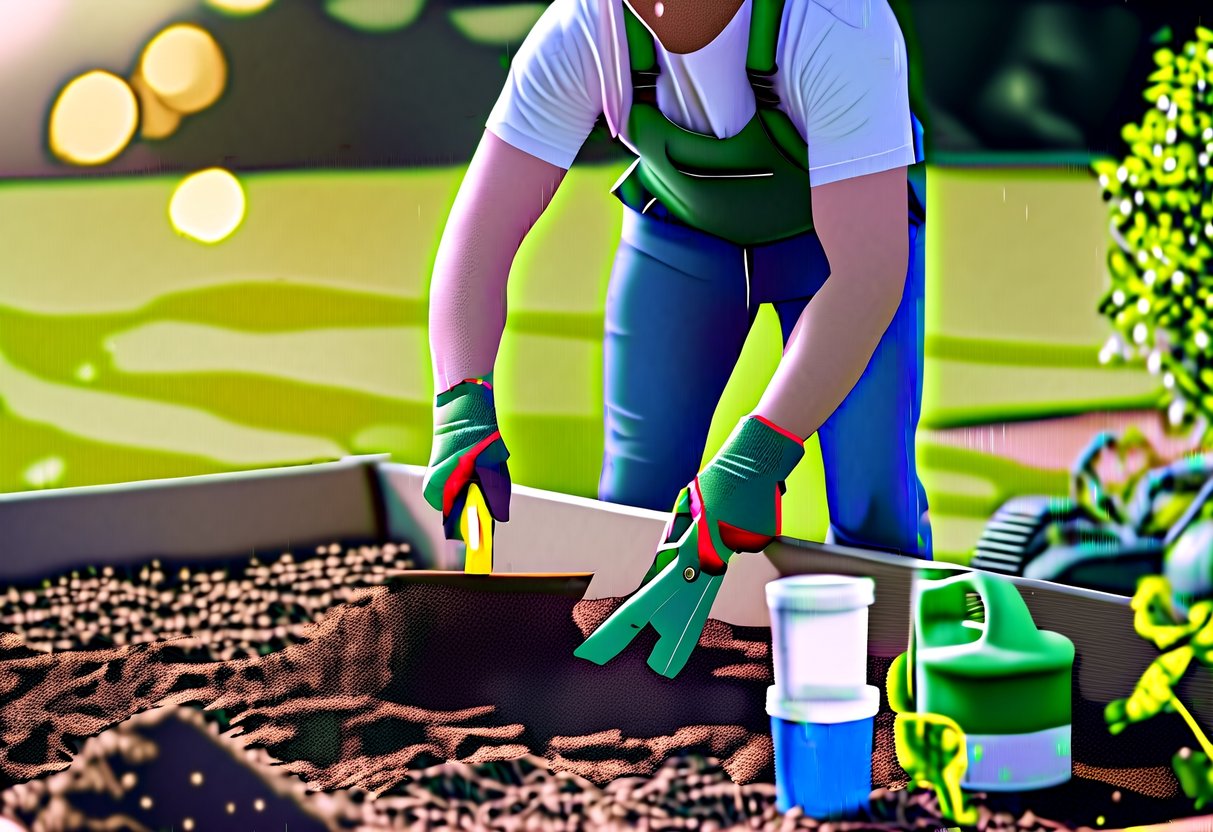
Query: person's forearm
(467,300)
(830,348)
(503,194)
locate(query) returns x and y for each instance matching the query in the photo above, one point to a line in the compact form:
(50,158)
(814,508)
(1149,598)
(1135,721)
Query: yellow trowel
(476,526)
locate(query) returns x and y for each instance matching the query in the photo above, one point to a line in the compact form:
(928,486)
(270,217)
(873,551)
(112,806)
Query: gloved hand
(735,502)
(732,506)
(467,448)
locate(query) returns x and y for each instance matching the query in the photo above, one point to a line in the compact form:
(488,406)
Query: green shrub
(1160,300)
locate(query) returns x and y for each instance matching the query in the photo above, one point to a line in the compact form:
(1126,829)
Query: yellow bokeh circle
(93,119)
(207,206)
(158,120)
(185,68)
(239,7)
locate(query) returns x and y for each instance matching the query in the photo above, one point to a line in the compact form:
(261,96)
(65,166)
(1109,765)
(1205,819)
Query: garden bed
(391,681)
(351,670)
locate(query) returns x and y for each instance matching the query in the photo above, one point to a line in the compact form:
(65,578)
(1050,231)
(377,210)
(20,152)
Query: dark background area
(990,77)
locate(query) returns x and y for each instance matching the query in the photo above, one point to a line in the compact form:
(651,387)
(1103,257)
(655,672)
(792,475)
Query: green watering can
(983,696)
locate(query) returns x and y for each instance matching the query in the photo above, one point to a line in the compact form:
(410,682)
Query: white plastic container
(819,636)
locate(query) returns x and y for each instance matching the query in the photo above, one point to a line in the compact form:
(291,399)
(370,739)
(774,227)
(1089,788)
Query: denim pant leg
(867,445)
(676,320)
(875,496)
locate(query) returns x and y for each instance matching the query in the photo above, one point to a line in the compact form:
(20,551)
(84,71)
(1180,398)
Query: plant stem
(1188,718)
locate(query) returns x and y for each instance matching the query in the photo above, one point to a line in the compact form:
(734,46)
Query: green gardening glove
(467,448)
(732,506)
(737,499)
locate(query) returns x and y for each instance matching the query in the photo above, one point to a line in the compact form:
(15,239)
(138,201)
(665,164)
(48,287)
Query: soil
(171,768)
(428,672)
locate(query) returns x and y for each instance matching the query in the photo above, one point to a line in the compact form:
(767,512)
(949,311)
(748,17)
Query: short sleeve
(849,87)
(553,94)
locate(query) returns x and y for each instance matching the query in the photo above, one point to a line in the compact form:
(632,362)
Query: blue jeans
(679,308)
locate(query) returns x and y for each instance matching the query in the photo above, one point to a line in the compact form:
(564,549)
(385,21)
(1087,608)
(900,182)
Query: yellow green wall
(128,352)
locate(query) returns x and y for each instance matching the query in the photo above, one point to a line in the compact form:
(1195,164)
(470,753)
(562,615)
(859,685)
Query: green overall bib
(751,188)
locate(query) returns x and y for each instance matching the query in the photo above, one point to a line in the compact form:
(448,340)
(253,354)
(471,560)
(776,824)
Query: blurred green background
(129,352)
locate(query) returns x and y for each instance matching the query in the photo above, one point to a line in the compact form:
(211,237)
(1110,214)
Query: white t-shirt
(842,80)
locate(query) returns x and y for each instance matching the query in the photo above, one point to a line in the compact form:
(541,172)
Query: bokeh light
(375,15)
(157,120)
(208,206)
(185,68)
(45,473)
(93,119)
(239,7)
(497,25)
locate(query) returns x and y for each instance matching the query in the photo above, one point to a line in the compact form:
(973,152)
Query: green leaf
(932,750)
(1201,615)
(1195,774)
(1156,92)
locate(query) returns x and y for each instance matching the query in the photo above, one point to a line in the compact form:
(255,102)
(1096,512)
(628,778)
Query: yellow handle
(476,528)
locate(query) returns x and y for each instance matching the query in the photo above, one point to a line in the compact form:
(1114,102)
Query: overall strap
(642,54)
(765,17)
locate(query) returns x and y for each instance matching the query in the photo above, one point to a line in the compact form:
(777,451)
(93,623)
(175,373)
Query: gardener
(742,114)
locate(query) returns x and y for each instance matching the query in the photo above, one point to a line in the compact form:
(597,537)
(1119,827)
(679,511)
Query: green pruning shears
(734,505)
(675,597)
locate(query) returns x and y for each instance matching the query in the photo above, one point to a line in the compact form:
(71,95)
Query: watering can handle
(1011,618)
(1006,614)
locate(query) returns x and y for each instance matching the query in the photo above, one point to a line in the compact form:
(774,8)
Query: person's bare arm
(862,224)
(503,194)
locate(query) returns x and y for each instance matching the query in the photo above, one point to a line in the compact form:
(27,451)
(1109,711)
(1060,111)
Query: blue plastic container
(823,753)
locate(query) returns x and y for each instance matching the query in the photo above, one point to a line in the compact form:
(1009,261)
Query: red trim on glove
(780,430)
(709,560)
(740,540)
(481,382)
(464,469)
(733,537)
(778,510)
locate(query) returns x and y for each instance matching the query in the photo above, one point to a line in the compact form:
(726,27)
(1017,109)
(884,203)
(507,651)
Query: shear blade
(680,623)
(618,631)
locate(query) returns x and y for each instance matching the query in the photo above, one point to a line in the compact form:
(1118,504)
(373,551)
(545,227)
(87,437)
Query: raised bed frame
(371,500)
